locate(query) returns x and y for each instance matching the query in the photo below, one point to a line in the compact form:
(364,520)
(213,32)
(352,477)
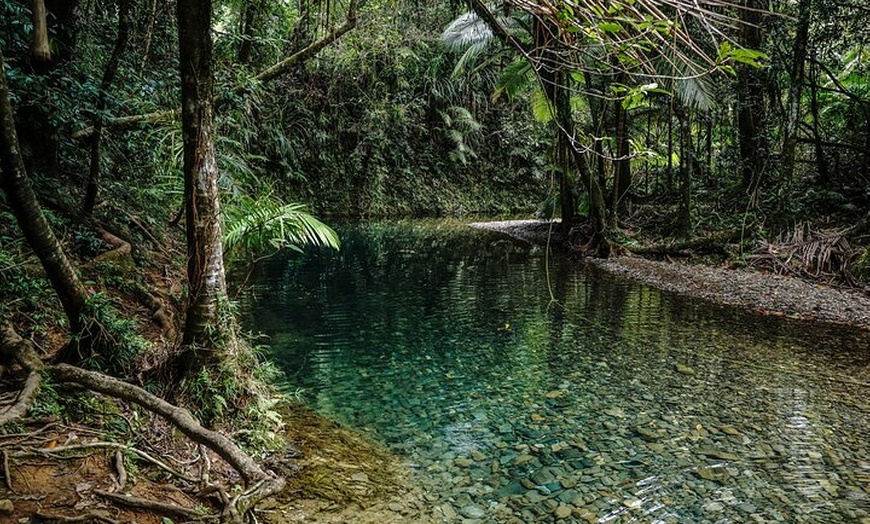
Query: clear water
(605,401)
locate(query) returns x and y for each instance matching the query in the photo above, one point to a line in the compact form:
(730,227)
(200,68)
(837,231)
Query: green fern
(254,226)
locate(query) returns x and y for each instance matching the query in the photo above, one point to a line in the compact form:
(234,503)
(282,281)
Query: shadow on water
(613,402)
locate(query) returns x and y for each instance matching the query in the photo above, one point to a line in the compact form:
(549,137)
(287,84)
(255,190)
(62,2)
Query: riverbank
(744,288)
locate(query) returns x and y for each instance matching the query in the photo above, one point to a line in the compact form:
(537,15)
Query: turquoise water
(588,399)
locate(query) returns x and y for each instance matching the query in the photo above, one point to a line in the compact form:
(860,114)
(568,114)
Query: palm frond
(467,30)
(256,225)
(517,78)
(542,109)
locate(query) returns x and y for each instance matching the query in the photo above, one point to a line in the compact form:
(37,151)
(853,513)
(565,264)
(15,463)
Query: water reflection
(607,402)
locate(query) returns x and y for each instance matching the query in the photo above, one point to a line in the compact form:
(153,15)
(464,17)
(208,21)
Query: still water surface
(588,399)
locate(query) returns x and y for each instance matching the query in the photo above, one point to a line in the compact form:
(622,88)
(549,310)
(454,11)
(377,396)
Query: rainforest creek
(215,213)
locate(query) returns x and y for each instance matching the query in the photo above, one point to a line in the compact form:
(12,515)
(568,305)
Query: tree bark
(124,24)
(40,48)
(28,213)
(206,335)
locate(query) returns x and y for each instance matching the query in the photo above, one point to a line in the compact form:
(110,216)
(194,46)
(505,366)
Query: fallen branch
(154,507)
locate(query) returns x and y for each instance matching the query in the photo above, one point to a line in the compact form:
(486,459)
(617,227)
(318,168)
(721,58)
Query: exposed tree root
(154,507)
(12,346)
(259,483)
(120,447)
(7,476)
(25,399)
(122,471)
(94,516)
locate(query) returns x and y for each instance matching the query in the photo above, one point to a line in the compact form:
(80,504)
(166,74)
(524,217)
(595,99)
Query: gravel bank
(532,231)
(746,288)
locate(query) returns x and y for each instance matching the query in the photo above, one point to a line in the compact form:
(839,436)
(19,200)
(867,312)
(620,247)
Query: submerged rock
(684,369)
(717,454)
(472,511)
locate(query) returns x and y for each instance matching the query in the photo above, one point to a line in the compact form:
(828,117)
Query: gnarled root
(259,483)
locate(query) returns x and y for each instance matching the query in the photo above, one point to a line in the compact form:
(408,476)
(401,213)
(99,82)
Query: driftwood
(259,483)
(713,242)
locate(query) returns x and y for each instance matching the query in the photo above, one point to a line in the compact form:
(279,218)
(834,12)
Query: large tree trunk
(751,107)
(28,213)
(206,333)
(124,25)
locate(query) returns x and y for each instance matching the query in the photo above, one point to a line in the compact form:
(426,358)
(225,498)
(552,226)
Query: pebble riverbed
(605,402)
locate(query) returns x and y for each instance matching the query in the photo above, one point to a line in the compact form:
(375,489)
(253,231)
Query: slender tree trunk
(752,110)
(824,175)
(554,85)
(597,206)
(708,170)
(40,49)
(669,180)
(795,91)
(27,211)
(684,218)
(206,333)
(622,170)
(565,135)
(149,35)
(124,25)
(248,16)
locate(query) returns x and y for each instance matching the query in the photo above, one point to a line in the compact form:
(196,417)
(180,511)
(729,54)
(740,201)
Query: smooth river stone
(472,511)
(562,512)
